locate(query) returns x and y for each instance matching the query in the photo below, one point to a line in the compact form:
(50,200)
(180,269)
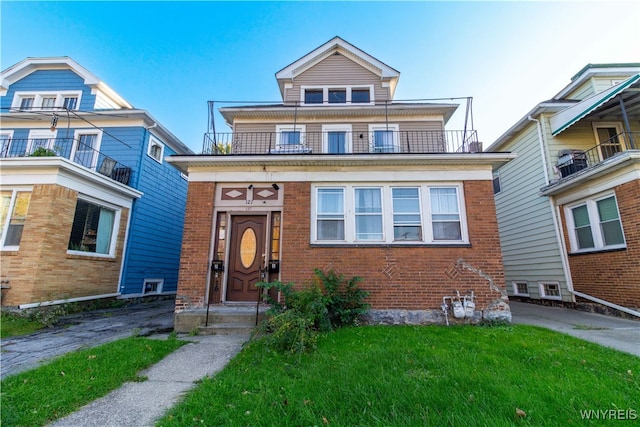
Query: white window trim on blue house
(38,97)
(76,150)
(348,215)
(155,149)
(5,142)
(39,135)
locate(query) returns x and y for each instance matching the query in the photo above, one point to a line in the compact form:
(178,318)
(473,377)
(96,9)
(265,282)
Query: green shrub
(293,323)
(43,152)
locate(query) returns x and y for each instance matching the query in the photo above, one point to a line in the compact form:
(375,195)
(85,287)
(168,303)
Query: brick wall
(196,245)
(613,276)
(41,270)
(400,277)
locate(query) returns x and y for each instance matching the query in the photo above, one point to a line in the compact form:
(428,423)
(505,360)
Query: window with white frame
(86,146)
(595,224)
(290,138)
(94,228)
(407,219)
(330,214)
(156,149)
(13,215)
(383,138)
(336,139)
(550,290)
(521,289)
(331,95)
(388,214)
(43,139)
(5,142)
(445,214)
(152,286)
(46,100)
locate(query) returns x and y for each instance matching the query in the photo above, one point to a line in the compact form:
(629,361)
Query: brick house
(340,176)
(569,205)
(90,208)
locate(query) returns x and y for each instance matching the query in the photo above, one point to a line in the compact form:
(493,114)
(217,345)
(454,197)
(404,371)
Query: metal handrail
(68,148)
(414,142)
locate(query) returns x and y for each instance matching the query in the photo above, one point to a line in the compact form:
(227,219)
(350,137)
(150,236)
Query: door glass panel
(248,246)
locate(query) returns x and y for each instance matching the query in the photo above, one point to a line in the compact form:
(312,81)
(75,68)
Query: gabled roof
(338,45)
(590,70)
(30,65)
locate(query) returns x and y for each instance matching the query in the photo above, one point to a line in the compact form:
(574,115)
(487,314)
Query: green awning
(567,117)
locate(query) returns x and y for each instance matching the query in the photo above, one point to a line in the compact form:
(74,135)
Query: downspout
(555,212)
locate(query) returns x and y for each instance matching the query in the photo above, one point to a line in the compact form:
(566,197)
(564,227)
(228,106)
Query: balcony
(571,161)
(70,149)
(341,142)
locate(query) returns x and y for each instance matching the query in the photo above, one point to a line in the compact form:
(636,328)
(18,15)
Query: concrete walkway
(613,332)
(140,404)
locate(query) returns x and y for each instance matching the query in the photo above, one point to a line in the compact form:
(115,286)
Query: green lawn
(12,325)
(422,376)
(38,396)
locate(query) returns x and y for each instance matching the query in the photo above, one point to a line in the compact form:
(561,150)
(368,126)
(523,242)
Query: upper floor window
(290,139)
(609,138)
(13,215)
(313,96)
(336,139)
(327,95)
(595,224)
(384,138)
(25,101)
(156,149)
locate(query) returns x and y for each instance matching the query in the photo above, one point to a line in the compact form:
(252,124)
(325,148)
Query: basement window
(521,289)
(152,286)
(550,291)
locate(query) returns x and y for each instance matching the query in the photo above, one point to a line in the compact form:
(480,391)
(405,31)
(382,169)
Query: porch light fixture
(250,186)
(275,186)
(54,122)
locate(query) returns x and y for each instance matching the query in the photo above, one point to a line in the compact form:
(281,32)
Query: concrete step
(226,328)
(234,317)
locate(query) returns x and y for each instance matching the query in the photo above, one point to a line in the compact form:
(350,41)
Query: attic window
(360,95)
(156,149)
(337,96)
(46,100)
(313,96)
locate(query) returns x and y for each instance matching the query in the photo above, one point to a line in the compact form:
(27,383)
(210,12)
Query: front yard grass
(44,394)
(426,376)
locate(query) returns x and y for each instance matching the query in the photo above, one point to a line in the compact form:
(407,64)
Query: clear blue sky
(170,58)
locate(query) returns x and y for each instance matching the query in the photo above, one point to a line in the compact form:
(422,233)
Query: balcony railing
(341,142)
(69,148)
(571,161)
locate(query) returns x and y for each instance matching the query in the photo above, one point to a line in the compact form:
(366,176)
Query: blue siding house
(90,208)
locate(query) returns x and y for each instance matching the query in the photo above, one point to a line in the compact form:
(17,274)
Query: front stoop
(230,319)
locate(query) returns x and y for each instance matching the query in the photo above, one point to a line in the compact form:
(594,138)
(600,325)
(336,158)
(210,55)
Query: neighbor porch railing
(338,142)
(571,161)
(69,148)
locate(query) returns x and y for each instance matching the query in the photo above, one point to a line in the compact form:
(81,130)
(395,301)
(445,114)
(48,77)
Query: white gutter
(542,150)
(63,301)
(607,303)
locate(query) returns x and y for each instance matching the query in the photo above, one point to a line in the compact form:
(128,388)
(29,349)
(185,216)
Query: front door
(246,256)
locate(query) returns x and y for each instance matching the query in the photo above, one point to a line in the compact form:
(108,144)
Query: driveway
(85,330)
(614,332)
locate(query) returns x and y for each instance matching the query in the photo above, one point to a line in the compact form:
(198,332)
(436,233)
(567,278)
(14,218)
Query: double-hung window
(94,228)
(388,214)
(13,215)
(330,214)
(407,221)
(445,214)
(368,214)
(595,225)
(86,148)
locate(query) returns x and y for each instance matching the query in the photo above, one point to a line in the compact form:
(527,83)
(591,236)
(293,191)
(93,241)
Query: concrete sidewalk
(613,332)
(140,404)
